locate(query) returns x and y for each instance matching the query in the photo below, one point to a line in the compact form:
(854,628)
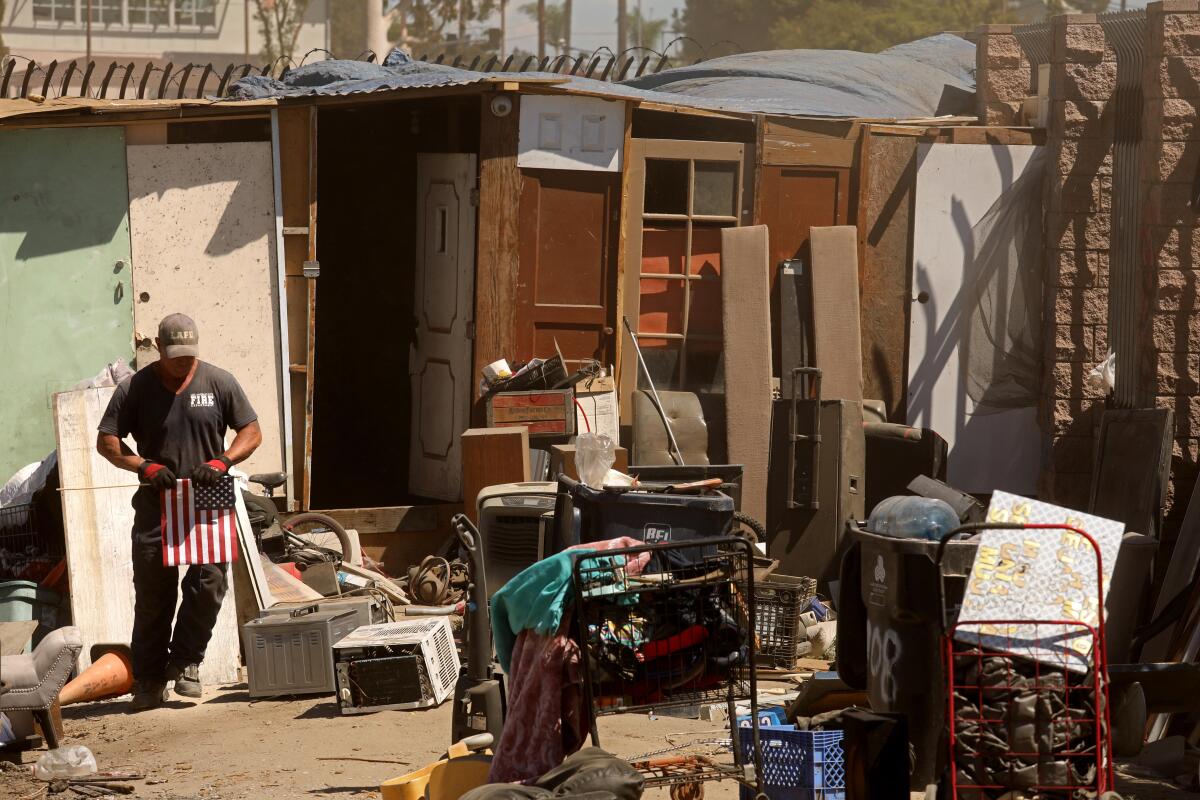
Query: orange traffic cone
(111,675)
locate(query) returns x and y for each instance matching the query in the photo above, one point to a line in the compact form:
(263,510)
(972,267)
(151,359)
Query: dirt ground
(227,747)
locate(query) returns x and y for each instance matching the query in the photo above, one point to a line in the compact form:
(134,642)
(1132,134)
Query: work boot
(187,680)
(147,695)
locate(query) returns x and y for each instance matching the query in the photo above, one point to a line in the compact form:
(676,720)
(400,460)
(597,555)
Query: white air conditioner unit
(396,665)
(510,517)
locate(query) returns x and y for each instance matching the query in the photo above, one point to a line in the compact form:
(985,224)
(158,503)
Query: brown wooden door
(793,199)
(567,279)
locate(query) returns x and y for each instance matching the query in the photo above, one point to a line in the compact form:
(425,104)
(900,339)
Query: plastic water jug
(906,517)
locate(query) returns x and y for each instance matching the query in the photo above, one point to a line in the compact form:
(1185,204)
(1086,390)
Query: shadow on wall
(81,214)
(240,224)
(1070,410)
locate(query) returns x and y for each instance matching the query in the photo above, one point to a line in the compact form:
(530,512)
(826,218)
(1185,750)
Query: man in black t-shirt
(177,410)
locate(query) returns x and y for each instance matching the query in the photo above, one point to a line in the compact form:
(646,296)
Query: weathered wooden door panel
(220,268)
(443,303)
(64,275)
(793,199)
(566,286)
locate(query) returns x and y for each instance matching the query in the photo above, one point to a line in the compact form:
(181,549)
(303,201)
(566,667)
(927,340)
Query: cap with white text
(178,336)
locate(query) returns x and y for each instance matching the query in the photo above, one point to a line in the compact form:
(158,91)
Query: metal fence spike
(141,93)
(166,80)
(183,79)
(49,77)
(6,77)
(208,70)
(85,85)
(128,77)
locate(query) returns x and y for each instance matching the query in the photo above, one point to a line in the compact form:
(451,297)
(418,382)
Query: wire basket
(24,553)
(779,600)
(664,627)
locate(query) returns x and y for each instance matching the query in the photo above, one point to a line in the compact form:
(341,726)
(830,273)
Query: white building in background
(179,31)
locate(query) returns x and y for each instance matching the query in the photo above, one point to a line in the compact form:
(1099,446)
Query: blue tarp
(929,77)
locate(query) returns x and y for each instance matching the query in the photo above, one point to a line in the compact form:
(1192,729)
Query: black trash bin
(889,634)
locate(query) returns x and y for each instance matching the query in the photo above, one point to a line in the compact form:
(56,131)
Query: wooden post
(497,259)
(622,32)
(491,456)
(541,22)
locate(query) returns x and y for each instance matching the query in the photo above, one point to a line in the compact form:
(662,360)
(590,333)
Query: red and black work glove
(157,475)
(210,472)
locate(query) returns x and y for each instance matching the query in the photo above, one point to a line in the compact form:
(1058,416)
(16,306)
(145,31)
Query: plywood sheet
(837,338)
(956,186)
(98,521)
(202,227)
(64,275)
(746,315)
(885,221)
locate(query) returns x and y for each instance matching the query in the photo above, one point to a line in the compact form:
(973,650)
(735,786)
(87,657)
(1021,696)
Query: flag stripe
(198,524)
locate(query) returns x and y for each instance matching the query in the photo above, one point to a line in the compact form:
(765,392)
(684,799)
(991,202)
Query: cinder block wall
(1003,75)
(1078,222)
(1171,247)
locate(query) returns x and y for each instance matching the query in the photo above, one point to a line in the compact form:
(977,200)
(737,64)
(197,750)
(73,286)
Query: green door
(65,300)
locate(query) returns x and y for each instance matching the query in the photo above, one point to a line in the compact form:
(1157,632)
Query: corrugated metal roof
(927,78)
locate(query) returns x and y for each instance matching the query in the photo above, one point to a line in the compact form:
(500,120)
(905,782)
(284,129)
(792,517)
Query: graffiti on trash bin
(884,652)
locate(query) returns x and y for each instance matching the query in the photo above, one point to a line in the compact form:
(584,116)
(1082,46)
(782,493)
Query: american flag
(199,523)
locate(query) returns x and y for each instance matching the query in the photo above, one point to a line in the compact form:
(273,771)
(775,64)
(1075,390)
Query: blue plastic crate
(798,765)
(767,715)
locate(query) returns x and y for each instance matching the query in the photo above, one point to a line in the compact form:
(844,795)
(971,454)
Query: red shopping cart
(1028,698)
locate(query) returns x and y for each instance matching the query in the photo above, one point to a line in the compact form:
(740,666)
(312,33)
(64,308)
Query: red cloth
(546,720)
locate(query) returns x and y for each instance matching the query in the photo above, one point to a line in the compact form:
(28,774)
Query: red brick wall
(1078,226)
(1003,75)
(1171,247)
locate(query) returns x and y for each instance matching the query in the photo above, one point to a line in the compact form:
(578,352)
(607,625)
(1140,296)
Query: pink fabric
(634,564)
(546,720)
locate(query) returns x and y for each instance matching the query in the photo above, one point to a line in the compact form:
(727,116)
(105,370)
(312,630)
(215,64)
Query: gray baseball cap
(178,336)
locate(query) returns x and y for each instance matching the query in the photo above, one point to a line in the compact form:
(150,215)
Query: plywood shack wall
(202,228)
(64,275)
(885,258)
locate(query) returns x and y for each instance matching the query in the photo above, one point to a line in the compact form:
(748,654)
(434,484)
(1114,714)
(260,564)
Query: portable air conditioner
(396,665)
(510,524)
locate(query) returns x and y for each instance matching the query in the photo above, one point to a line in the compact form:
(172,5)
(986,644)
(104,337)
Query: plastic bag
(75,761)
(1103,376)
(594,456)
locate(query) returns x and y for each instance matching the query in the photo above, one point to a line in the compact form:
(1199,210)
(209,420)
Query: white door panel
(440,361)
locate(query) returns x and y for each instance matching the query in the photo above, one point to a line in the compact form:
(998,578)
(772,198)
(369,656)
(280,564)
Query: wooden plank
(618,310)
(885,235)
(809,142)
(837,337)
(498,258)
(746,316)
(492,456)
(97,524)
(971,134)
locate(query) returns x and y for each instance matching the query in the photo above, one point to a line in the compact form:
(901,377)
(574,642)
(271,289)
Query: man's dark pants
(156,591)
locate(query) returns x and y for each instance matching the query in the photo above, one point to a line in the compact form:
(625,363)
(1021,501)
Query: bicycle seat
(270,480)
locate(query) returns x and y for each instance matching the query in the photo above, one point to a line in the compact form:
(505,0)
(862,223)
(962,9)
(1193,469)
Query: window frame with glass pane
(195,13)
(152,13)
(59,11)
(662,213)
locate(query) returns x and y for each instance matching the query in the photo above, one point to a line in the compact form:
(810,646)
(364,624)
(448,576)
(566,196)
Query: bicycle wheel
(323,533)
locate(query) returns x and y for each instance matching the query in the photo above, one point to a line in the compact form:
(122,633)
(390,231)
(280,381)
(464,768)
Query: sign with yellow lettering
(1047,577)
